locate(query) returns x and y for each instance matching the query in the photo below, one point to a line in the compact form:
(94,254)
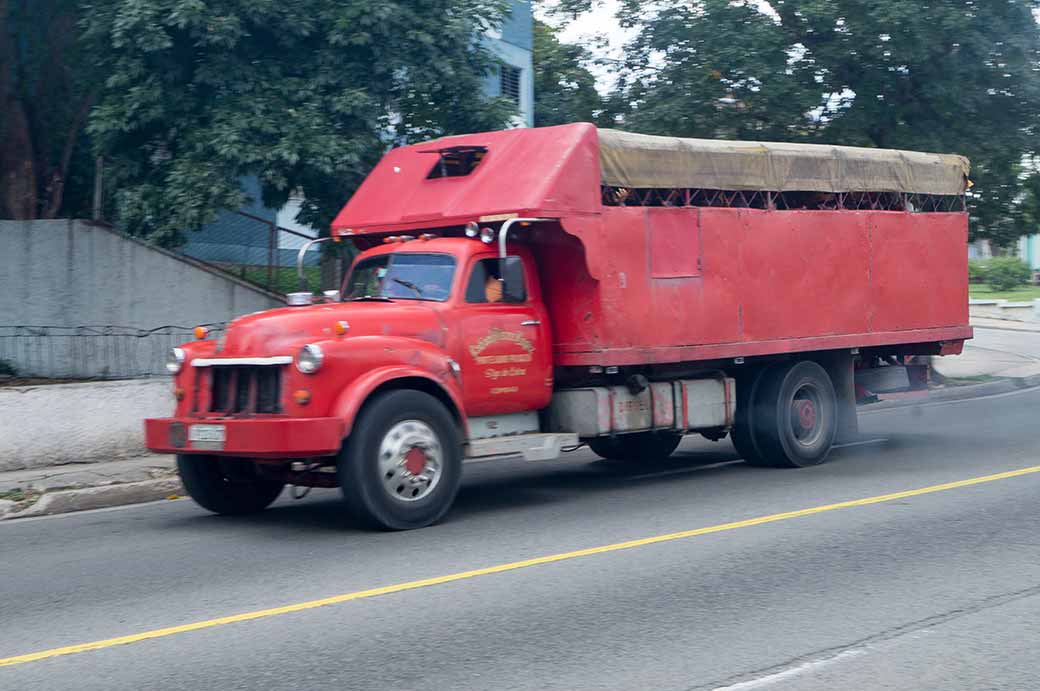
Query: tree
(47,88)
(304,94)
(945,76)
(714,69)
(564,88)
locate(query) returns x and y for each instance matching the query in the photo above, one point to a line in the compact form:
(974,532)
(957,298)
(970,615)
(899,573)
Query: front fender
(350,400)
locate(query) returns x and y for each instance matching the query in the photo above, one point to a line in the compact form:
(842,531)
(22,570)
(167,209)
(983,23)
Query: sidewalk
(1002,351)
(1005,324)
(82,486)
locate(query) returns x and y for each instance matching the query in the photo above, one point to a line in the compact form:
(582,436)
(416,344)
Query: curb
(956,393)
(100,497)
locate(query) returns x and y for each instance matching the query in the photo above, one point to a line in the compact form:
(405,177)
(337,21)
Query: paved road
(929,590)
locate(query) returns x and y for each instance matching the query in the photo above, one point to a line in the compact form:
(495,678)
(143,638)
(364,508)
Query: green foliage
(47,86)
(1005,273)
(1019,294)
(945,77)
(303,94)
(976,271)
(565,90)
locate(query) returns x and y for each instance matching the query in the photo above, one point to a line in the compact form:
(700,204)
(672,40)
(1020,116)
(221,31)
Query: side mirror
(512,271)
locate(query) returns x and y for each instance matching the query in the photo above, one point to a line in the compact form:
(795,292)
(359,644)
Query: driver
(493,289)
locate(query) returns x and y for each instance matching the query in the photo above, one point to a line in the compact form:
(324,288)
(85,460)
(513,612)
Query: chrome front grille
(244,389)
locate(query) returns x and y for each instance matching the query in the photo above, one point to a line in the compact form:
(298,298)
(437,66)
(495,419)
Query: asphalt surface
(931,591)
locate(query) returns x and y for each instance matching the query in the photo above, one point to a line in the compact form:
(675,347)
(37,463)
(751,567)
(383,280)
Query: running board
(533,447)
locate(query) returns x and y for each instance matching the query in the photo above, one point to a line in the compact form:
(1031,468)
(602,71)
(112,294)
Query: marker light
(472,229)
(487,235)
(302,396)
(341,328)
(200,332)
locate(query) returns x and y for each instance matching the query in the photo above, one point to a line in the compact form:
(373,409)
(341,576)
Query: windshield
(405,276)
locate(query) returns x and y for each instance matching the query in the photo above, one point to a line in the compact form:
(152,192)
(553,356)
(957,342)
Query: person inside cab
(493,289)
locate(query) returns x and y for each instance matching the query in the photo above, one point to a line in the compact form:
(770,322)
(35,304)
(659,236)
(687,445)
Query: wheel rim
(807,415)
(410,460)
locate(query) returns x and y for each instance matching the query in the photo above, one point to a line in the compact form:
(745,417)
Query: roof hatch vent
(456,161)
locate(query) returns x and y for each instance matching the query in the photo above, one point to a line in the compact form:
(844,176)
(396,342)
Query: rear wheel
(742,435)
(402,465)
(794,416)
(637,447)
(227,486)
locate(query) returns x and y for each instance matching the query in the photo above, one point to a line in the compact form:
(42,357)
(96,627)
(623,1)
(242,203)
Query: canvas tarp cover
(642,161)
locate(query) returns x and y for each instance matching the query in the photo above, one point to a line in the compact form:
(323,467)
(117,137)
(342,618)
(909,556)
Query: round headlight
(175,360)
(308,360)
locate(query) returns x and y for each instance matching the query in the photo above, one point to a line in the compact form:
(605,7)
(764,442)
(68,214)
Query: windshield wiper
(378,298)
(407,284)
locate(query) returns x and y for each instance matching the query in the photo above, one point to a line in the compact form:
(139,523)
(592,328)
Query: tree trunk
(16,162)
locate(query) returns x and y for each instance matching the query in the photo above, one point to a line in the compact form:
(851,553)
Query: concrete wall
(72,273)
(78,423)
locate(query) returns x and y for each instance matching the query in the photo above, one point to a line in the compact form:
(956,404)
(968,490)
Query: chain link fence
(90,352)
(256,250)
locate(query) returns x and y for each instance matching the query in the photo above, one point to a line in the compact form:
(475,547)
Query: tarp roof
(647,161)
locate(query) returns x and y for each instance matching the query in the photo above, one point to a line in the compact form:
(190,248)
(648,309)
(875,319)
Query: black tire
(226,486)
(742,435)
(364,488)
(795,416)
(637,447)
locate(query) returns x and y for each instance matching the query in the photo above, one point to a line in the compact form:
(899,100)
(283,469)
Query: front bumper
(254,437)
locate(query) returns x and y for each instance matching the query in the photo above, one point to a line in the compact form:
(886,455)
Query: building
(513,44)
(241,239)
(1029,250)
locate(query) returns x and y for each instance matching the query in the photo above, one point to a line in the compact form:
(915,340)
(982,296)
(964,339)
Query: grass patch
(1020,294)
(20,495)
(283,278)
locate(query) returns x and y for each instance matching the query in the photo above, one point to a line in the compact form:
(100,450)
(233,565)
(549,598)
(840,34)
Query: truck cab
(526,292)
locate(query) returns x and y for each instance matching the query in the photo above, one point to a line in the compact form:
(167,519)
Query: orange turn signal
(341,328)
(201,332)
(302,396)
(178,393)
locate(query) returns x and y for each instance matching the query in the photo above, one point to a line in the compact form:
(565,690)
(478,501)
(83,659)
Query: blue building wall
(1029,250)
(513,43)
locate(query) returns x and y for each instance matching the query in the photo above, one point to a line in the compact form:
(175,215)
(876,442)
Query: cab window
(402,276)
(485,283)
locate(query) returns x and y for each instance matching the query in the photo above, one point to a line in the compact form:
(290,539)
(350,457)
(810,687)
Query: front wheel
(226,486)
(402,464)
(646,447)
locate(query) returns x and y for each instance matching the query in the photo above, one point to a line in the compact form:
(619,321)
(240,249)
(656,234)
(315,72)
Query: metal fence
(90,352)
(254,249)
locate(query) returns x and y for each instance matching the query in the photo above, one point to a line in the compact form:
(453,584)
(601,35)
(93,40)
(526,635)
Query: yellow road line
(501,568)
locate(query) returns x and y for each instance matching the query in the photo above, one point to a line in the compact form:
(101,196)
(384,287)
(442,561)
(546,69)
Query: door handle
(530,322)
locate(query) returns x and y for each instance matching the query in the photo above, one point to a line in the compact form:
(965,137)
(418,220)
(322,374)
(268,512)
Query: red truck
(523,292)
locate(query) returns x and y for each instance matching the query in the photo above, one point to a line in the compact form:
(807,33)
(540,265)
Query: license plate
(207,436)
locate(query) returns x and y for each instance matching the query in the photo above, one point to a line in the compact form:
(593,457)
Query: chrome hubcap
(410,460)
